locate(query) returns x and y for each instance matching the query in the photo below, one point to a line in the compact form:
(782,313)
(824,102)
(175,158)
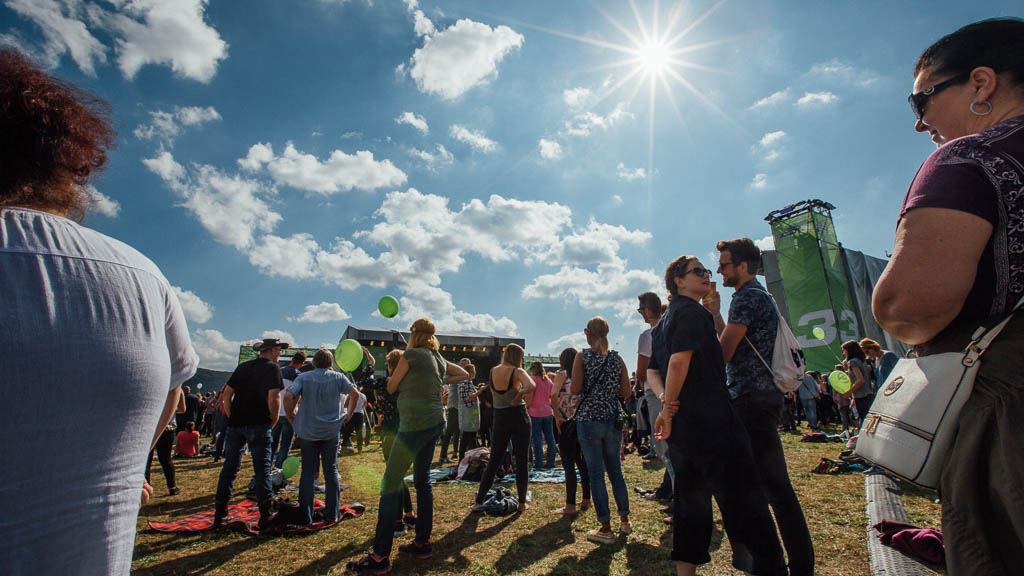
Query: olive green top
(419,398)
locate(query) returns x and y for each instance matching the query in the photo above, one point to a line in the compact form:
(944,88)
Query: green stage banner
(817,290)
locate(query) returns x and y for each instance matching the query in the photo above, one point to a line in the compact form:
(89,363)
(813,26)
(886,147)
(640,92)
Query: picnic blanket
(546,476)
(247,515)
(828,466)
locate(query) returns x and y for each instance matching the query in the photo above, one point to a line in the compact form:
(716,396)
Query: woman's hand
(662,427)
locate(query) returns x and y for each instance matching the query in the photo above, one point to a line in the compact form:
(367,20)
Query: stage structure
(819,284)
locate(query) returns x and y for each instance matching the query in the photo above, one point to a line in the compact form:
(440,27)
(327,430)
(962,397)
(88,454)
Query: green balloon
(290,467)
(348,355)
(388,307)
(840,381)
(819,333)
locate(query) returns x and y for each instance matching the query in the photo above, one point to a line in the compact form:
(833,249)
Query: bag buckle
(872,423)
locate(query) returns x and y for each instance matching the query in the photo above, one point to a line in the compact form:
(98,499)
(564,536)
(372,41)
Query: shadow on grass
(200,503)
(531,547)
(323,565)
(200,562)
(598,561)
(449,548)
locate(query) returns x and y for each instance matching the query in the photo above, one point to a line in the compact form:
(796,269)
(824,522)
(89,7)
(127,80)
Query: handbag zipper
(876,418)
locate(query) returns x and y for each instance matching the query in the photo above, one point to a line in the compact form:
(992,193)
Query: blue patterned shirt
(753,307)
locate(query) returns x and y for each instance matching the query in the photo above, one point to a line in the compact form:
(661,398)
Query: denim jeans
(451,432)
(313,453)
(416,448)
(601,443)
(258,438)
(281,441)
(759,411)
(811,411)
(543,426)
(221,429)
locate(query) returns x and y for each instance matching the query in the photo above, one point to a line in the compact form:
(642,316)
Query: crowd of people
(88,313)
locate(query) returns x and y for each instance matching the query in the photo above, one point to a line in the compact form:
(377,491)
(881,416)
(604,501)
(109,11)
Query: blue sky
(493,165)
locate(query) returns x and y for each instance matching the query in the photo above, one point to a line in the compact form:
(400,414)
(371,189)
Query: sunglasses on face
(920,100)
(698,271)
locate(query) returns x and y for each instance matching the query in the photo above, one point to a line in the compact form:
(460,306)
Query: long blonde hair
(597,329)
(422,334)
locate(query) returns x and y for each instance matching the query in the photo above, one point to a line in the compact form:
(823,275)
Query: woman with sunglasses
(708,444)
(958,265)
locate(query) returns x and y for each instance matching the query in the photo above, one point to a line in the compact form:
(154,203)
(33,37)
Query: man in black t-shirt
(251,400)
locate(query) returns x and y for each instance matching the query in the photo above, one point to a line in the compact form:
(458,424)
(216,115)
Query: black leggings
(163,447)
(467,442)
(387,441)
(509,424)
(572,458)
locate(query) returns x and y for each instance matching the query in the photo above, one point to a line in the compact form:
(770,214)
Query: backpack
(788,364)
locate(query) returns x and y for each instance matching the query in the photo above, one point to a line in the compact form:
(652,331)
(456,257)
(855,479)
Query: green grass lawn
(538,542)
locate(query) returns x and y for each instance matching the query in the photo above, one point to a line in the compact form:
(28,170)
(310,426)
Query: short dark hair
(566,358)
(323,359)
(650,301)
(55,136)
(997,43)
(853,350)
(190,425)
(742,250)
(299,357)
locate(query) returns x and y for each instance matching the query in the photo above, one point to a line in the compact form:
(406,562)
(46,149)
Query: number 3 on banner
(826,320)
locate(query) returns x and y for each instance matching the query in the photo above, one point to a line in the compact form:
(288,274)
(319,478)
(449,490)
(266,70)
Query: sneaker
(409,519)
(598,537)
(626,528)
(421,551)
(400,528)
(174,491)
(369,565)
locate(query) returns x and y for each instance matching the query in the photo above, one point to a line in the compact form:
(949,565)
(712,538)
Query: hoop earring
(985,113)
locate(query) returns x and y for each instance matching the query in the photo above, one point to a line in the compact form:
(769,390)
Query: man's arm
(350,403)
(641,370)
(227,394)
(730,337)
(175,398)
(274,405)
(289,406)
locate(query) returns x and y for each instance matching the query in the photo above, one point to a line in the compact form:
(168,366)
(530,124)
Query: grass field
(537,542)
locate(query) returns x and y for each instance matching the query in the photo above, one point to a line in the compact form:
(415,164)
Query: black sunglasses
(920,100)
(698,271)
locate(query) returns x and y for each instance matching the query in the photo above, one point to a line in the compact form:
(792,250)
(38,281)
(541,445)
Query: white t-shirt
(101,339)
(643,348)
(360,404)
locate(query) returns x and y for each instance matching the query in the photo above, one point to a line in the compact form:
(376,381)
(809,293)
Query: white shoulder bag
(913,420)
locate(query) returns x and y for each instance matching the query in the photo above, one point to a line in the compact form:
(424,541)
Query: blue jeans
(313,453)
(543,425)
(811,411)
(601,442)
(281,443)
(416,448)
(258,439)
(221,426)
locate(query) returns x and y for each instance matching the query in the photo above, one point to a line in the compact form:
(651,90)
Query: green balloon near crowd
(840,381)
(819,333)
(388,307)
(290,467)
(348,355)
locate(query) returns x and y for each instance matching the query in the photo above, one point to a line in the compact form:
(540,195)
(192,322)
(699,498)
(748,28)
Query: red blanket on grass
(247,514)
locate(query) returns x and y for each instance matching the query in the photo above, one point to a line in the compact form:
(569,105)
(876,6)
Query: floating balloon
(840,381)
(199,386)
(348,355)
(819,333)
(290,467)
(388,307)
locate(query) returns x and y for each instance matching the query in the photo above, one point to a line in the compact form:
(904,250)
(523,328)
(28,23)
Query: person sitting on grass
(188,441)
(420,373)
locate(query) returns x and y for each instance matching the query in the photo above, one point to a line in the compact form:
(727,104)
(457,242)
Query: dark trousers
(572,459)
(281,441)
(222,428)
(486,420)
(759,411)
(451,432)
(466,442)
(416,448)
(355,424)
(163,447)
(510,424)
(257,437)
(725,472)
(387,442)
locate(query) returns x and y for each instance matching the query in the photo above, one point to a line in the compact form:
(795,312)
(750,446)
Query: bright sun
(653,57)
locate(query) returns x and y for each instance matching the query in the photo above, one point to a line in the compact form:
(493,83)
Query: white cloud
(817,99)
(434,160)
(772,138)
(280,335)
(474,138)
(172,33)
(596,244)
(630,174)
(166,126)
(760,182)
(617,200)
(608,287)
(339,172)
(549,149)
(102,204)
(464,55)
(766,243)
(215,351)
(577,340)
(322,313)
(771,100)
(64,32)
(840,71)
(416,121)
(196,311)
(770,145)
(576,97)
(293,257)
(164,166)
(421,24)
(435,303)
(585,123)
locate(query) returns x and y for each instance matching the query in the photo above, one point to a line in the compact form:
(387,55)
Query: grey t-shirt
(866,389)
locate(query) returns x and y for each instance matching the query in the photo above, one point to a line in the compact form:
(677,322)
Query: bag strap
(983,337)
(754,348)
